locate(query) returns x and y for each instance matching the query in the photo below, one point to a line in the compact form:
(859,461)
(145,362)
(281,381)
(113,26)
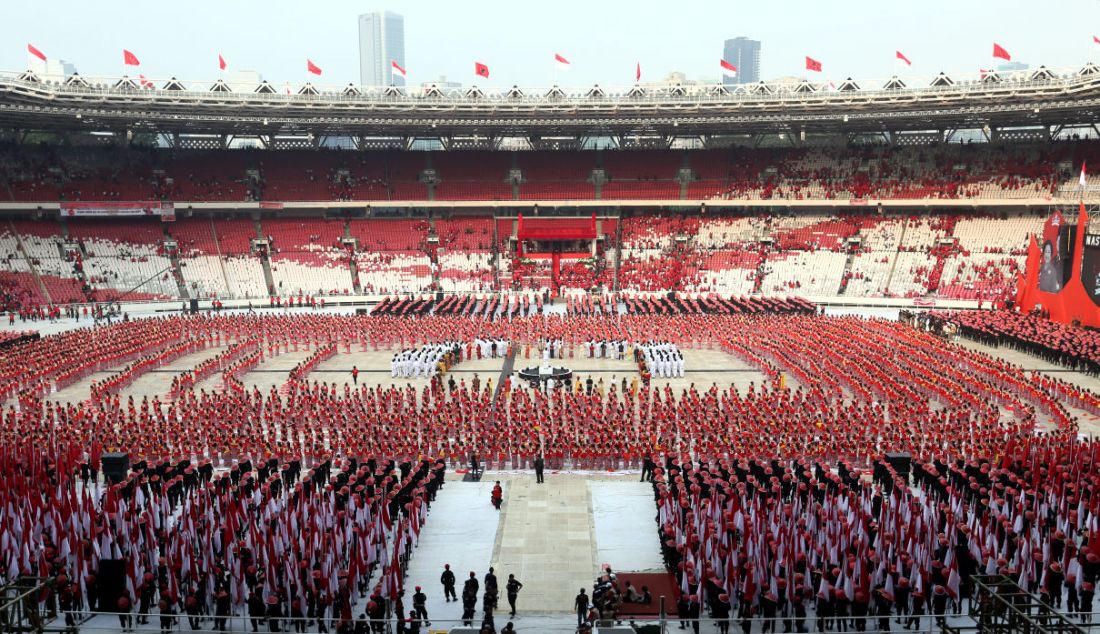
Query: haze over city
(602,40)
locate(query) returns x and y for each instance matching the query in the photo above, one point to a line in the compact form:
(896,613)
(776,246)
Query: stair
(177,270)
(221,260)
(618,255)
(761,273)
(177,273)
(433,255)
(30,263)
(353,265)
(265,259)
(894,263)
(847,269)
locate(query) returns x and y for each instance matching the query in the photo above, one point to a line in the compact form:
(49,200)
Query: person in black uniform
(918,611)
(420,605)
(512,588)
(720,612)
(580,604)
(469,605)
(491,590)
(448,581)
(256,610)
(1087,594)
(540,464)
(799,606)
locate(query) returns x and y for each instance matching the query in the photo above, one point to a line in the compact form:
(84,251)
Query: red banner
(1070,302)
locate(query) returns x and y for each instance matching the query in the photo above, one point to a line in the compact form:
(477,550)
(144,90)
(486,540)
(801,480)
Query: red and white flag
(1083,180)
(221,62)
(902,57)
(35,52)
(999,51)
(638,71)
(728,69)
(560,62)
(397,69)
(313,68)
(813,64)
(129,58)
(481,70)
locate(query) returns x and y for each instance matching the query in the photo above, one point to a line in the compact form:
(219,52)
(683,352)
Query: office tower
(381,42)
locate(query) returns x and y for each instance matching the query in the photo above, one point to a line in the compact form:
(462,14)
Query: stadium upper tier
(994,99)
(1032,173)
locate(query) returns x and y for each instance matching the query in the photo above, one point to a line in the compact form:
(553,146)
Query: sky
(518,39)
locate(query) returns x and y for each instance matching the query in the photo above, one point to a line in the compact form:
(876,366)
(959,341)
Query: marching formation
(662,359)
(312,495)
(426,361)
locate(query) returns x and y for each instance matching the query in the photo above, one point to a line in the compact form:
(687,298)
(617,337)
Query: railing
(558,623)
(938,86)
(22,611)
(1001,605)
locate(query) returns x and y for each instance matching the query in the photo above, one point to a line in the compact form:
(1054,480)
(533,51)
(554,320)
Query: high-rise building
(381,42)
(54,69)
(1012,66)
(745,55)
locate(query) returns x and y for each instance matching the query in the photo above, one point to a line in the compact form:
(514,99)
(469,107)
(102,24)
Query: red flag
(560,60)
(313,68)
(813,64)
(1095,40)
(397,69)
(903,58)
(129,58)
(221,62)
(728,69)
(37,53)
(999,51)
(638,72)
(481,70)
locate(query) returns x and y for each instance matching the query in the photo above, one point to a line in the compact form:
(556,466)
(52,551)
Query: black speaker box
(116,466)
(362,311)
(111,582)
(900,462)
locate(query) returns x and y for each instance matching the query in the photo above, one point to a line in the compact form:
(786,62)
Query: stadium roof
(1037,97)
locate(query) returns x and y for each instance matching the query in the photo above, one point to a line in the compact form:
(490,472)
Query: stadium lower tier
(943,255)
(277,479)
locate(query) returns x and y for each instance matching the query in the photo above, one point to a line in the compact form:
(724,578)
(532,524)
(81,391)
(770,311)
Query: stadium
(802,353)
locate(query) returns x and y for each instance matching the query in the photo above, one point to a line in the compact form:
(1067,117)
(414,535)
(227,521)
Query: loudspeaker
(111,582)
(362,311)
(115,466)
(900,462)
(194,306)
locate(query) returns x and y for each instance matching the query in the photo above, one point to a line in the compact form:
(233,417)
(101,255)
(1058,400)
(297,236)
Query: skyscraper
(381,42)
(745,55)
